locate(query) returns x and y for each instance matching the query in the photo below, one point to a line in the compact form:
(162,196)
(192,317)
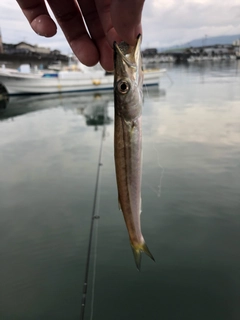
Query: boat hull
(18,84)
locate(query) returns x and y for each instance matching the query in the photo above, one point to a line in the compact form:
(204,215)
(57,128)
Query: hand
(107,21)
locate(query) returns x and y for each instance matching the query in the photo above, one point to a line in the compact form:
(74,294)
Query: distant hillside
(206,41)
(210,41)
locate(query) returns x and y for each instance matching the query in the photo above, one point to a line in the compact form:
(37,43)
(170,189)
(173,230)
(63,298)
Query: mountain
(205,41)
(210,41)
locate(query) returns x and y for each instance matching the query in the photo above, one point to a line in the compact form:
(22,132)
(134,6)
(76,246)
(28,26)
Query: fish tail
(137,252)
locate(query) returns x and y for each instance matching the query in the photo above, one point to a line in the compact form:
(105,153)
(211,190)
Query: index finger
(69,17)
(37,15)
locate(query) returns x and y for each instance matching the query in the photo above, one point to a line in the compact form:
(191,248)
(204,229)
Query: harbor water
(49,148)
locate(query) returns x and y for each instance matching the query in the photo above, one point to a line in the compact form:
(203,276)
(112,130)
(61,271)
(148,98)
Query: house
(26,48)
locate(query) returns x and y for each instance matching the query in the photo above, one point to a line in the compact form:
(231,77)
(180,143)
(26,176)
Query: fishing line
(168,75)
(144,86)
(94,217)
(156,189)
(94,268)
(95,246)
(161,174)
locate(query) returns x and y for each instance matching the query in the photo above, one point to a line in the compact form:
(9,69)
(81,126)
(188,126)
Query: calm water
(49,148)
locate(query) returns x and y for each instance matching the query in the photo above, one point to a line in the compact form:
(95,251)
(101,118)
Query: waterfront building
(24,47)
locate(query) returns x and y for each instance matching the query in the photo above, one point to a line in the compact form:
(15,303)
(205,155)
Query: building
(25,52)
(236,43)
(25,48)
(149,52)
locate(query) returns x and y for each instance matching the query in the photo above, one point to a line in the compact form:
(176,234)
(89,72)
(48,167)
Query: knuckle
(66,16)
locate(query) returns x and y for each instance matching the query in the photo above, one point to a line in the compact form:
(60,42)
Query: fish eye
(123,86)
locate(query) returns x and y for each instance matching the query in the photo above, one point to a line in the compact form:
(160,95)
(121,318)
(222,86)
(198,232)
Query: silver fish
(128,100)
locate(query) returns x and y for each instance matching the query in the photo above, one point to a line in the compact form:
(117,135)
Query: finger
(106,55)
(69,17)
(126,18)
(98,29)
(104,12)
(38,17)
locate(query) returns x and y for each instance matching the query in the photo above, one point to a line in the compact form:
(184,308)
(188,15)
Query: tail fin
(137,252)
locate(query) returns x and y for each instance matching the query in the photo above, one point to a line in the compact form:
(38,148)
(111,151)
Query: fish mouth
(129,54)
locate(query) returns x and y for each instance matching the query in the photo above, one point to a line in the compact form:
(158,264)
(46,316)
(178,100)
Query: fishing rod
(93,218)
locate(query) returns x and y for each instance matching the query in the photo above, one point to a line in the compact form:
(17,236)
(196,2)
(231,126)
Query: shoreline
(33,59)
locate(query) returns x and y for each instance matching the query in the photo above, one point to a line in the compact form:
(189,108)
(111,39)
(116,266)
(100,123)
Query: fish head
(128,80)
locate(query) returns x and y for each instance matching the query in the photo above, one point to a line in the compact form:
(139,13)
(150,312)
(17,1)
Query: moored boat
(88,79)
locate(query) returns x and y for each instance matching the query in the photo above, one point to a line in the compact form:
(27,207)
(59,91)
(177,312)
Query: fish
(128,101)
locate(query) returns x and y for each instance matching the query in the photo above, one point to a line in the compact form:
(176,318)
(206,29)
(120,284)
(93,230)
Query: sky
(165,23)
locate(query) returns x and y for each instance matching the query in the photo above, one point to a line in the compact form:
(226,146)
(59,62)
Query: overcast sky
(165,23)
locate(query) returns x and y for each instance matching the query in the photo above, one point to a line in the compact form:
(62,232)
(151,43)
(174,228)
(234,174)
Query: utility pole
(1,44)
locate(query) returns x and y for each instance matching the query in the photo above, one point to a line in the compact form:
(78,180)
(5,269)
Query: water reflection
(94,107)
(96,113)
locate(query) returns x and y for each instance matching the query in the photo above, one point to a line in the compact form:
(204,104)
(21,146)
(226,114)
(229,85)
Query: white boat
(88,79)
